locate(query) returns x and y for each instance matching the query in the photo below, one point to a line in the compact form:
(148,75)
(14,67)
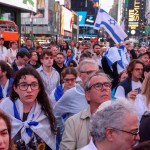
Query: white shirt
(3,53)
(120,92)
(12,54)
(50,82)
(140,105)
(90,146)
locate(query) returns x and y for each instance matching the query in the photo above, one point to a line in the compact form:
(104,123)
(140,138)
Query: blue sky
(106,4)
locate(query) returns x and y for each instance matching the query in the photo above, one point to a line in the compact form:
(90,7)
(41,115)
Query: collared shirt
(90,146)
(50,81)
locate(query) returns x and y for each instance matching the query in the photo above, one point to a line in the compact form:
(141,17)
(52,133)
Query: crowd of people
(74,96)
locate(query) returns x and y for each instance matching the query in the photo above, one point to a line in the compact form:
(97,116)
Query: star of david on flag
(104,20)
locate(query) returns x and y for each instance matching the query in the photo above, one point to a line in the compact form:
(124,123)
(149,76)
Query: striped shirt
(50,81)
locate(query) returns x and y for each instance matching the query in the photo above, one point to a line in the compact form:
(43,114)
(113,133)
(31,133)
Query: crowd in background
(49,95)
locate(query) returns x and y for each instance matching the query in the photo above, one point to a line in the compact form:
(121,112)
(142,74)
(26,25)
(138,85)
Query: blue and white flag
(104,20)
(115,54)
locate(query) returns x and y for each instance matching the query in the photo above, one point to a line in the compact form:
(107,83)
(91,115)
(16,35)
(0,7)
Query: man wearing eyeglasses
(73,100)
(114,127)
(77,134)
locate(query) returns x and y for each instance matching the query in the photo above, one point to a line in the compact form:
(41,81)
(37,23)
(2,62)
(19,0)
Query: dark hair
(28,39)
(96,45)
(6,119)
(46,52)
(73,62)
(143,146)
(42,97)
(11,43)
(67,45)
(146,68)
(69,50)
(68,70)
(86,55)
(6,68)
(33,51)
(23,54)
(39,47)
(60,54)
(131,66)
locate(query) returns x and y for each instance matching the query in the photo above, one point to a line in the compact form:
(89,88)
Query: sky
(106,4)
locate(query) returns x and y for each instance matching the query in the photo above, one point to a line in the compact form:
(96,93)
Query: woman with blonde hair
(142,101)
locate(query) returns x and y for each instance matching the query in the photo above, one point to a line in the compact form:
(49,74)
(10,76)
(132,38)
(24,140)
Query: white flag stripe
(104,20)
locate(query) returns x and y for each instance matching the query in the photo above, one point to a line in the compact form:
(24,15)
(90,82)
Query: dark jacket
(144,128)
(14,67)
(127,85)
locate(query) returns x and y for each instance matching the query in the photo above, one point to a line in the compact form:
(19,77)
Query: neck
(60,65)
(27,107)
(3,81)
(97,55)
(32,62)
(13,48)
(94,107)
(102,146)
(18,63)
(68,57)
(47,69)
(135,79)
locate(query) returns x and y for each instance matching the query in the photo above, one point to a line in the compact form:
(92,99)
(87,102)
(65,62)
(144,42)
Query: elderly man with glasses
(114,127)
(77,134)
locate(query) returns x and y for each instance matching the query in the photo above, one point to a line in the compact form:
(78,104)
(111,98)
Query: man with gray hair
(114,127)
(97,89)
(73,100)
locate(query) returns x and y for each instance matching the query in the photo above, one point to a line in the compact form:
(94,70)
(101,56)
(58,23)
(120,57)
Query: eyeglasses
(99,86)
(71,79)
(133,132)
(138,69)
(25,86)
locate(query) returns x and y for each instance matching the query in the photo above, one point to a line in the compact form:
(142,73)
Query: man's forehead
(99,79)
(89,67)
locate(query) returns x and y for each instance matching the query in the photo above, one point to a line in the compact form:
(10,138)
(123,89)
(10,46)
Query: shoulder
(6,105)
(55,71)
(39,69)
(80,116)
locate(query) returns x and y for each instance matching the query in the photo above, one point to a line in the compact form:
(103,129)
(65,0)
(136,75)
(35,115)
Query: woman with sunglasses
(33,122)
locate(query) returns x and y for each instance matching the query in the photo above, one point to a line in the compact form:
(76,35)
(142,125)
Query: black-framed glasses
(99,86)
(133,132)
(25,86)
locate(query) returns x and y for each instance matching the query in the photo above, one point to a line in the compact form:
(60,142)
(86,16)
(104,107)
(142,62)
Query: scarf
(58,92)
(36,122)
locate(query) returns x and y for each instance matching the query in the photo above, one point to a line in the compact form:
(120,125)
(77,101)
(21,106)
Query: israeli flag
(104,20)
(115,54)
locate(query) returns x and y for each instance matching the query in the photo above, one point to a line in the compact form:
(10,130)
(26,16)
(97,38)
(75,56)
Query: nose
(137,137)
(29,88)
(1,140)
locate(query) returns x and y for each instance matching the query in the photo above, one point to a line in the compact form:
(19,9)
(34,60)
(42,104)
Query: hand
(132,95)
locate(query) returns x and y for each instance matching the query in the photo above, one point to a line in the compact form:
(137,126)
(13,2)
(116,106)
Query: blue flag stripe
(112,31)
